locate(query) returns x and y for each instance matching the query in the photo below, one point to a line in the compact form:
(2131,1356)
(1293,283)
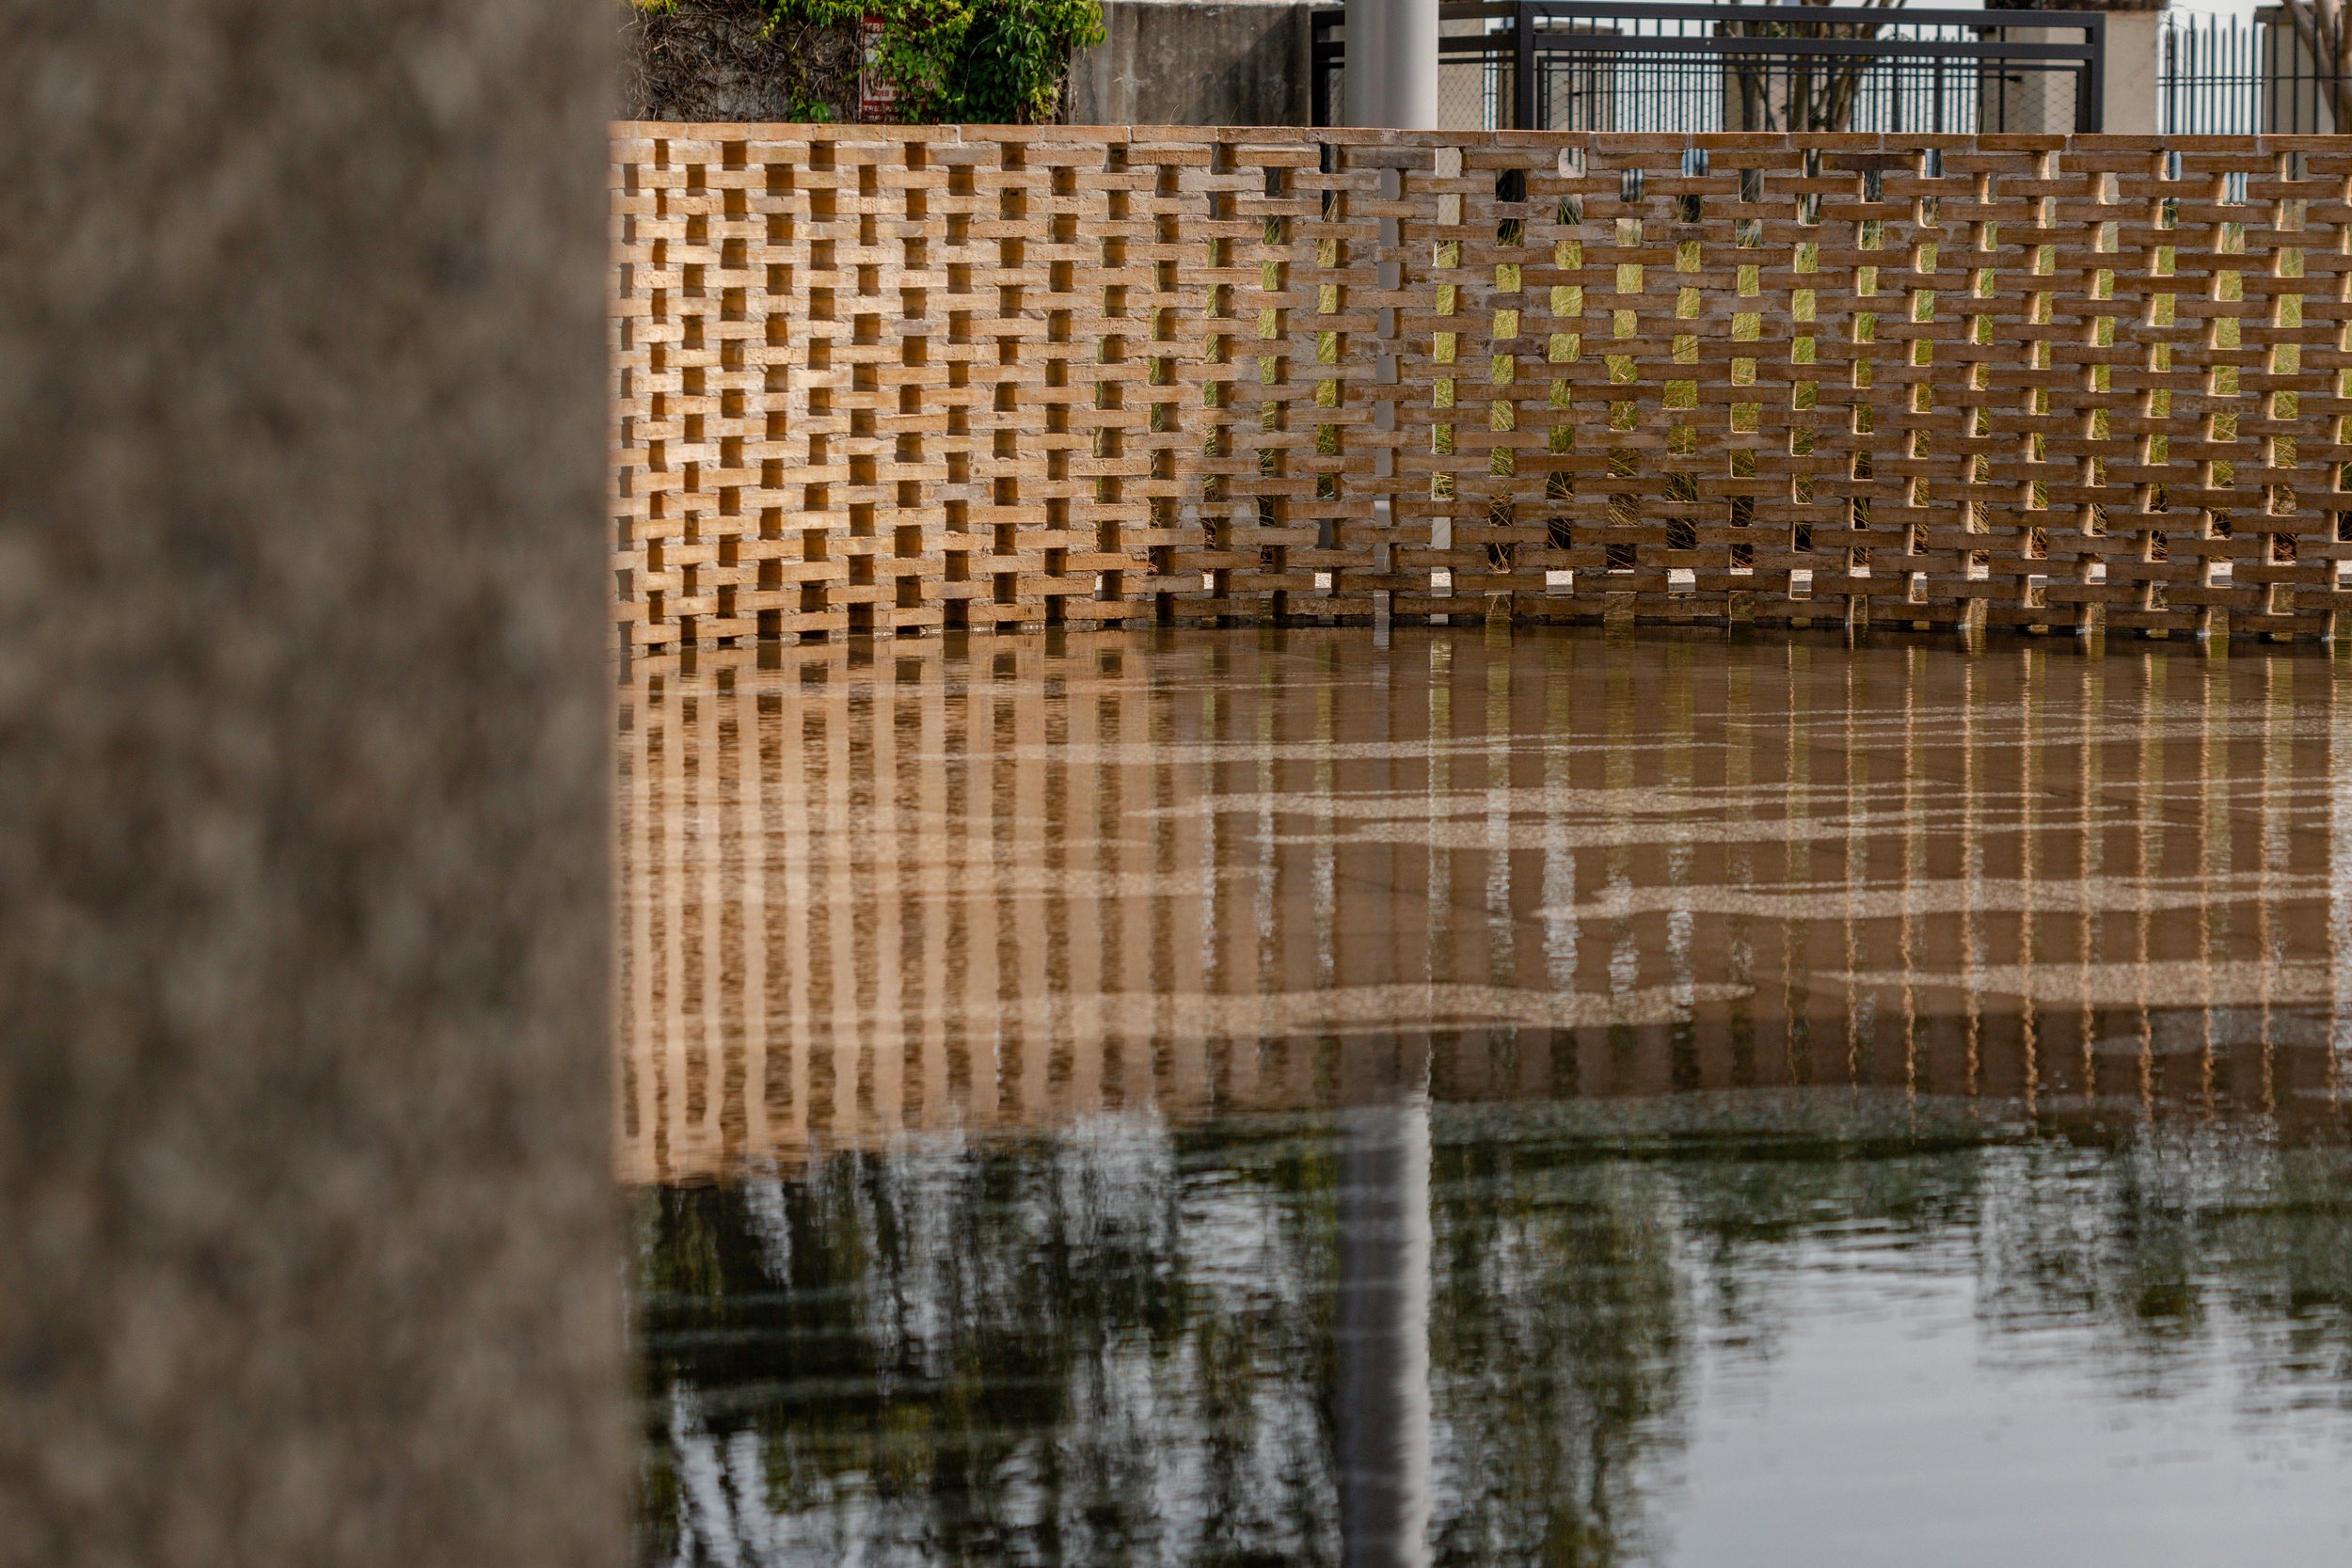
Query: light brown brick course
(906,378)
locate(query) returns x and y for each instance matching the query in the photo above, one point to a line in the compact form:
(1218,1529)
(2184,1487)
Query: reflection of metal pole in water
(1383,1333)
(2340,886)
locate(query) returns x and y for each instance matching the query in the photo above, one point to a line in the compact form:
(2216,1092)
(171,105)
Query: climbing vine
(974,61)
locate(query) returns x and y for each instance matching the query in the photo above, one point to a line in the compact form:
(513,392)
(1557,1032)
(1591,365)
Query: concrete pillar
(311,1245)
(2134,57)
(1390,64)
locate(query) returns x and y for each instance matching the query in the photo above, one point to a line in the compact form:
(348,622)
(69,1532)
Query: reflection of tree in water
(1559,1335)
(1115,1347)
(1025,1351)
(2176,1247)
(1754,1212)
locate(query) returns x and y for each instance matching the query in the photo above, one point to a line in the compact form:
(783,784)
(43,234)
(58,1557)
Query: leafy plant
(975,61)
(818,14)
(991,61)
(1014,55)
(922,51)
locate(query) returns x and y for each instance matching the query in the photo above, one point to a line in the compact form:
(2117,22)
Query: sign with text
(877,95)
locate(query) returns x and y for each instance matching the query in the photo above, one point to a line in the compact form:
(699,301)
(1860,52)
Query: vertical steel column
(1523,68)
(2090,93)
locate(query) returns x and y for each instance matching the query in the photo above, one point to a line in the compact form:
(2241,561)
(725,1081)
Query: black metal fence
(1594,65)
(2230,75)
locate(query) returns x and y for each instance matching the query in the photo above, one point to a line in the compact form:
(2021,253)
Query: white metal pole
(1389,64)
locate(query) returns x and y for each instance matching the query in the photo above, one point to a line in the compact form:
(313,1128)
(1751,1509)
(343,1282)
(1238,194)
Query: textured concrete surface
(1175,62)
(2134,64)
(309,1253)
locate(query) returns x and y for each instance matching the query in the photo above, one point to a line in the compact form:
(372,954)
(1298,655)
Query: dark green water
(1829,1335)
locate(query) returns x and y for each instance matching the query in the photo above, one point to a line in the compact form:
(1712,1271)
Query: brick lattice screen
(902,379)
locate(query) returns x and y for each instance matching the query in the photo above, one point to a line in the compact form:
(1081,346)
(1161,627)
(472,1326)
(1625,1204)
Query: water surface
(1238,1097)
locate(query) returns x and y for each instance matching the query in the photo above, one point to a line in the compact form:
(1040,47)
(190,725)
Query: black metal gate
(2240,76)
(1590,65)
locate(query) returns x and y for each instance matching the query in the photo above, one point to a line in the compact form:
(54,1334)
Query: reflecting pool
(1252,1097)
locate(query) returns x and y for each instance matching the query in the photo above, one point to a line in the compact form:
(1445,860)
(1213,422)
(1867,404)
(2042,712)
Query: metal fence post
(2090,106)
(1523,68)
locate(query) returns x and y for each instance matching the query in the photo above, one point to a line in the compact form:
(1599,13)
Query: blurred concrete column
(2134,67)
(1389,75)
(1382,1327)
(311,1251)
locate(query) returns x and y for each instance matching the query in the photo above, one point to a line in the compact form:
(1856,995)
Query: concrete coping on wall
(788,133)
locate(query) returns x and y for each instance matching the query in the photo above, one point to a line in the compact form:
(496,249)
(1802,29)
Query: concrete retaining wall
(1172,62)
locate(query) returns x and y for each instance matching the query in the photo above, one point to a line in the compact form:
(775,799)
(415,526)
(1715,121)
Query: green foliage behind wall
(975,61)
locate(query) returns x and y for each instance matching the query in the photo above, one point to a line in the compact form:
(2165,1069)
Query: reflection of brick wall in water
(872,890)
(906,378)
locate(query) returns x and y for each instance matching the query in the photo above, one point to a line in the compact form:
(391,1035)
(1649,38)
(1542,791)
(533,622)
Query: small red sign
(877,95)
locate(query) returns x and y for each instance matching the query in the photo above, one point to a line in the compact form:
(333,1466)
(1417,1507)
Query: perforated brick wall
(898,379)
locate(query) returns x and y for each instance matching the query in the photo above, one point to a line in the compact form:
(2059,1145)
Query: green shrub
(980,61)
